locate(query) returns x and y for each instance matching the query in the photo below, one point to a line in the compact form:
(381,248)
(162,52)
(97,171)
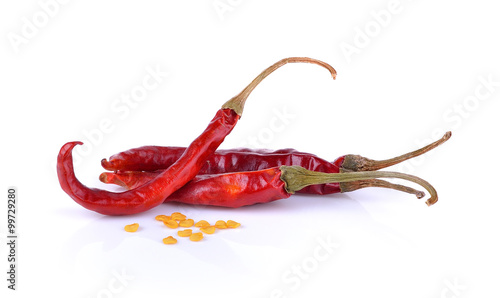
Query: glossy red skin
(225,189)
(153,193)
(152,158)
(233,189)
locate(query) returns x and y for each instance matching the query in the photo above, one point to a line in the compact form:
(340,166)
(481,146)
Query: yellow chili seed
(162,217)
(196,236)
(132,228)
(169,240)
(178,216)
(186,223)
(208,230)
(232,224)
(202,223)
(185,233)
(171,224)
(220,224)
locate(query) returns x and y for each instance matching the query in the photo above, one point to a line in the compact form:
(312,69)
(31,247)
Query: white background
(407,72)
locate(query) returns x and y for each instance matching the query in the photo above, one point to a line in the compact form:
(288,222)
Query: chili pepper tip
(103,178)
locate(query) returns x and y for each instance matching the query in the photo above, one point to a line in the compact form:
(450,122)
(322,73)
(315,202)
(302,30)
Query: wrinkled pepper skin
(154,192)
(233,189)
(153,158)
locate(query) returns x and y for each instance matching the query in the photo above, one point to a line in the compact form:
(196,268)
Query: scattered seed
(162,217)
(202,223)
(178,216)
(196,236)
(220,224)
(232,224)
(178,219)
(132,228)
(186,223)
(169,240)
(185,233)
(171,224)
(208,230)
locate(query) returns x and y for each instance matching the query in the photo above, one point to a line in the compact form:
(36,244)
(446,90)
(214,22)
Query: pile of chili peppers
(201,174)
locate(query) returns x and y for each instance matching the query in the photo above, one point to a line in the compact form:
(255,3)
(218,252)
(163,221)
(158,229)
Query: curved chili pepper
(180,172)
(151,194)
(248,188)
(243,159)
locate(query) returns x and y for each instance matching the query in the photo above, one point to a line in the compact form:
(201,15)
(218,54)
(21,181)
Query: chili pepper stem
(355,185)
(359,163)
(238,102)
(296,178)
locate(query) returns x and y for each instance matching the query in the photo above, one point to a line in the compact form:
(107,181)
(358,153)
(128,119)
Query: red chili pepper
(153,158)
(134,179)
(243,159)
(179,173)
(248,188)
(151,194)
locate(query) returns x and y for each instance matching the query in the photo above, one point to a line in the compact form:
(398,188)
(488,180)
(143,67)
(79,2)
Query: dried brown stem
(359,163)
(355,185)
(296,178)
(238,102)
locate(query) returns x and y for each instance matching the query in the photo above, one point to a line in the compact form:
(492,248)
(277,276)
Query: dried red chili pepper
(134,179)
(152,193)
(180,172)
(152,158)
(243,159)
(248,188)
